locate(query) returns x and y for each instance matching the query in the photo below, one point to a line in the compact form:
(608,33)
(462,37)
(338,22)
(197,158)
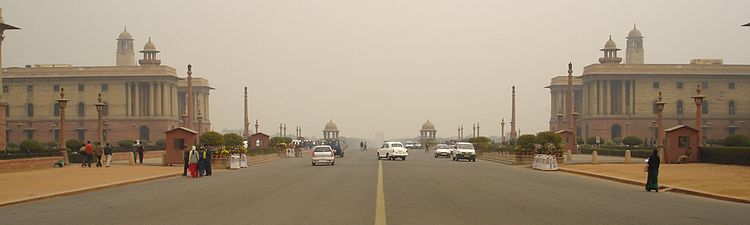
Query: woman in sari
(653,172)
(193,162)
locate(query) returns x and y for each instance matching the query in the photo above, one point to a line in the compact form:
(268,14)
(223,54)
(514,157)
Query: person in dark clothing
(209,154)
(201,161)
(653,171)
(107,154)
(140,148)
(186,155)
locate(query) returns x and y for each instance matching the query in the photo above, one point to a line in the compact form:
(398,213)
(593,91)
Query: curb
(80,190)
(661,187)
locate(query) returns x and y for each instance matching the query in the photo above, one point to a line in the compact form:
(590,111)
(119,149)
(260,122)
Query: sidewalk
(586,159)
(45,183)
(725,182)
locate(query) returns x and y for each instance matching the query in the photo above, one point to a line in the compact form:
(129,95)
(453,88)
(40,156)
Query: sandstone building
(143,101)
(615,100)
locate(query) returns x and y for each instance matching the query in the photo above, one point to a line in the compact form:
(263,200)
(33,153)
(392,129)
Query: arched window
(679,107)
(656,110)
(105,109)
(56,109)
(81,109)
(616,131)
(143,133)
(704,107)
(30,110)
(731,108)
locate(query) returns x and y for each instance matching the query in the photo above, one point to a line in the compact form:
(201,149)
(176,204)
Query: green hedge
(726,155)
(636,152)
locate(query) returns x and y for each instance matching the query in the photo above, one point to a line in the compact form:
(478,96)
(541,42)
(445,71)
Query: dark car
(337,148)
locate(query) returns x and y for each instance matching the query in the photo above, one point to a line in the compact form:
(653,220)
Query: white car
(323,154)
(464,150)
(409,145)
(442,150)
(393,150)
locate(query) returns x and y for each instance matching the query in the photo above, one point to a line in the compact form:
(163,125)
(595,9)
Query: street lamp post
(575,130)
(200,121)
(62,102)
(660,138)
(99,123)
(653,128)
(699,112)
(502,131)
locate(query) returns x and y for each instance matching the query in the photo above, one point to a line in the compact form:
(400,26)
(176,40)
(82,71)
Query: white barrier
(545,162)
(234,161)
(290,153)
(243,161)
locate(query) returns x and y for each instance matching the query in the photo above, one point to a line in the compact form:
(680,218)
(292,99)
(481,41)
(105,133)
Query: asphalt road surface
(420,190)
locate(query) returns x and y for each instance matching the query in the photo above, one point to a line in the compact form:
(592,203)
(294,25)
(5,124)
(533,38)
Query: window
(679,107)
(81,109)
(704,85)
(105,87)
(7,112)
(5,88)
(732,130)
(29,88)
(55,87)
(683,141)
(679,85)
(656,85)
(30,110)
(81,134)
(29,134)
(656,110)
(731,85)
(704,107)
(80,87)
(616,131)
(731,108)
(105,109)
(57,135)
(56,109)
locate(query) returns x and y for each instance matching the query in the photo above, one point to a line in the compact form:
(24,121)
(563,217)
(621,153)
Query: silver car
(323,154)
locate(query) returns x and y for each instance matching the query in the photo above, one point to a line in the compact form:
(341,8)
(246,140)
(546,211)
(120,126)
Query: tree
(482,143)
(212,138)
(233,139)
(550,141)
(274,141)
(73,144)
(737,140)
(29,145)
(632,141)
(526,143)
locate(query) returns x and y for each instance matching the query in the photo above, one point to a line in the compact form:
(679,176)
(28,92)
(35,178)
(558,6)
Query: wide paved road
(420,190)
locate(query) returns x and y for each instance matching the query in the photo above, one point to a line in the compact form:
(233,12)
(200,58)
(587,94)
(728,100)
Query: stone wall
(27,164)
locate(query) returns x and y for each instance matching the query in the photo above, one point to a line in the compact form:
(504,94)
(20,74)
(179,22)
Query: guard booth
(179,140)
(682,142)
(259,140)
(568,139)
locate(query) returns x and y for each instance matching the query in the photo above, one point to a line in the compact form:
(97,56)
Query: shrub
(632,141)
(617,140)
(73,144)
(550,142)
(233,139)
(481,143)
(212,138)
(736,140)
(726,155)
(125,143)
(274,141)
(31,145)
(526,143)
(592,140)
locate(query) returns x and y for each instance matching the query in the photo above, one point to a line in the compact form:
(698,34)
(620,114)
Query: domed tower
(428,131)
(610,53)
(125,52)
(331,131)
(634,50)
(149,55)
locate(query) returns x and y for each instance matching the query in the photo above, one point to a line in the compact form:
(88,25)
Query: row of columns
(600,95)
(149,99)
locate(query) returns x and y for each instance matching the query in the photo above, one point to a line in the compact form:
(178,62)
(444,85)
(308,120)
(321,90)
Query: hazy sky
(375,65)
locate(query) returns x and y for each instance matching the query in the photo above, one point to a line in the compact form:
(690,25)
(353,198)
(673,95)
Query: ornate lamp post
(62,102)
(99,125)
(575,129)
(502,131)
(653,128)
(200,121)
(699,112)
(660,137)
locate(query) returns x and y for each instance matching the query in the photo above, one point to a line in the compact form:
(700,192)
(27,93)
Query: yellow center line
(380,198)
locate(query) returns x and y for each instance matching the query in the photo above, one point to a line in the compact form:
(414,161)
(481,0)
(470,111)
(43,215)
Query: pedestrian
(186,157)
(361,145)
(193,162)
(98,154)
(140,148)
(201,161)
(209,155)
(135,151)
(653,171)
(84,156)
(108,154)
(89,153)
(365,145)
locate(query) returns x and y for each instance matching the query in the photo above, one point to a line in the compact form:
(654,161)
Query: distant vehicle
(442,150)
(393,150)
(409,145)
(418,145)
(337,148)
(323,154)
(464,150)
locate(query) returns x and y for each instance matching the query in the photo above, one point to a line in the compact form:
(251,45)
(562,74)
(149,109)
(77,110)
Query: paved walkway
(586,159)
(726,182)
(38,184)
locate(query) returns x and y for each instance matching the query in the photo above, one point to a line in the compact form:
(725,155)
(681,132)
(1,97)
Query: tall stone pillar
(513,124)
(189,122)
(247,119)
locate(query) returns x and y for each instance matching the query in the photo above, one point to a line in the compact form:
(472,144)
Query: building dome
(150,46)
(635,32)
(428,125)
(125,34)
(330,126)
(610,44)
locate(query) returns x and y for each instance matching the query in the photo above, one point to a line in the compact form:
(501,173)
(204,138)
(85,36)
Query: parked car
(323,154)
(409,145)
(393,150)
(418,145)
(442,150)
(464,150)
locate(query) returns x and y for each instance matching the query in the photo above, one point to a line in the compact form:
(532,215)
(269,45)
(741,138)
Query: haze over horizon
(375,66)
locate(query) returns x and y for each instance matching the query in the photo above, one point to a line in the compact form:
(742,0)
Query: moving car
(323,154)
(338,149)
(464,150)
(442,150)
(393,150)
(409,145)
